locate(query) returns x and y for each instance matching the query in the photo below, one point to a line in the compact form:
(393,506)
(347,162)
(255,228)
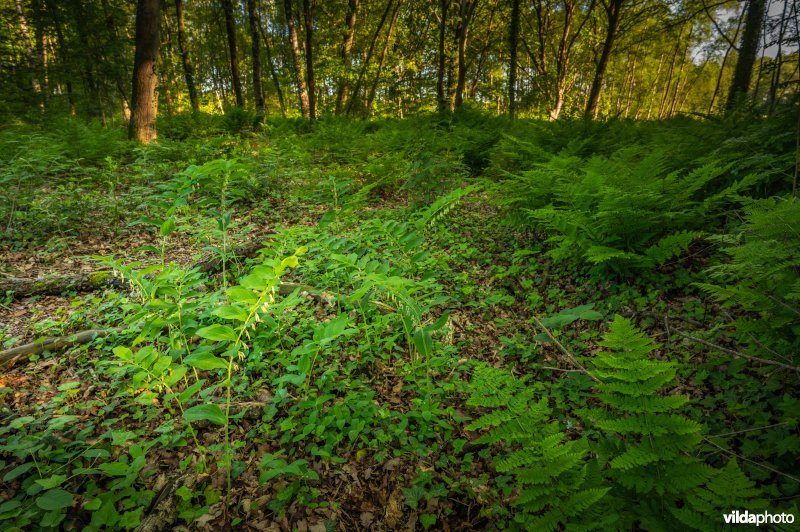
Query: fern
(646,440)
(442,206)
(555,484)
(726,489)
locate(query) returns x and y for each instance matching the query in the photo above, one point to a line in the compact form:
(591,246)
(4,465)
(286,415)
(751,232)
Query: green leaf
(115,469)
(210,412)
(51,482)
(17,471)
(168,226)
(217,332)
(55,499)
(231,312)
(205,360)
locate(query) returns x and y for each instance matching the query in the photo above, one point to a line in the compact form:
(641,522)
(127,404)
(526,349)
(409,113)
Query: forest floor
(344,406)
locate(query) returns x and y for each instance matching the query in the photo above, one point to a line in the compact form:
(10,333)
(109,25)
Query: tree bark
(273,72)
(613,9)
(513,39)
(255,24)
(466,10)
(302,94)
(28,47)
(311,83)
(368,58)
(347,47)
(188,71)
(230,30)
(441,95)
(142,127)
(748,50)
(373,90)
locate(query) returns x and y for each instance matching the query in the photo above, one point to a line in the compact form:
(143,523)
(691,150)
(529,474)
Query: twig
(748,430)
(570,357)
(736,353)
(758,464)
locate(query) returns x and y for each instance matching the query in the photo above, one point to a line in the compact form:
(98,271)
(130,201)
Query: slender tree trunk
(513,38)
(441,95)
(776,73)
(29,55)
(308,22)
(748,50)
(62,47)
(302,94)
(164,70)
(347,47)
(142,126)
(188,71)
(373,90)
(368,58)
(613,9)
(273,72)
(255,24)
(230,29)
(661,108)
(467,9)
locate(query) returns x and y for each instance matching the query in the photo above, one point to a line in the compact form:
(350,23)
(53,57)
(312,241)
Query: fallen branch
(91,281)
(570,357)
(163,512)
(15,354)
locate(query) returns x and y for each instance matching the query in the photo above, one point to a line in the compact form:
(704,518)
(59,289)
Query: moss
(99,278)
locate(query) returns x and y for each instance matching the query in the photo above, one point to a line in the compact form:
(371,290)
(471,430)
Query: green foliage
(762,278)
(555,484)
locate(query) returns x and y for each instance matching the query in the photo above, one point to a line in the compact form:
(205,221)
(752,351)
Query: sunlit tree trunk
(311,82)
(183,47)
(613,9)
(347,47)
(302,94)
(142,127)
(513,39)
(441,95)
(373,90)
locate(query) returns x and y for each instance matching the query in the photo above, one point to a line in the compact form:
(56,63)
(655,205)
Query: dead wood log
(163,512)
(91,281)
(10,356)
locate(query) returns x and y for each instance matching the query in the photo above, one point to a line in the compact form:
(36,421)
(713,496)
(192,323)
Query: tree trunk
(28,47)
(302,94)
(188,71)
(230,29)
(466,10)
(748,50)
(62,47)
(368,57)
(255,24)
(142,127)
(613,9)
(347,47)
(273,72)
(373,90)
(513,39)
(441,95)
(308,22)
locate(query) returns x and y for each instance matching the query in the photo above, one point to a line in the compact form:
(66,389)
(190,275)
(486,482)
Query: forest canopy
(639,59)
